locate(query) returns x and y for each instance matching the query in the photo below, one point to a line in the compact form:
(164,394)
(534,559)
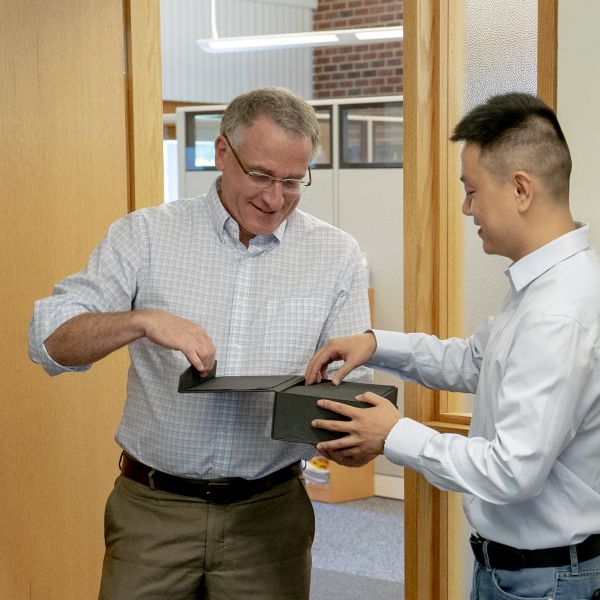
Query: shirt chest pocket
(293,328)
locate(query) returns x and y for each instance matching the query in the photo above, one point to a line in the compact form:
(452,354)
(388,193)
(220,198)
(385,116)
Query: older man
(207,504)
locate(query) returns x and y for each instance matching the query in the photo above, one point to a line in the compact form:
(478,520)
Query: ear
(523,190)
(220,151)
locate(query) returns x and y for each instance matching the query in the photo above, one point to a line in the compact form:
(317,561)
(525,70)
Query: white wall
(578,100)
(190,74)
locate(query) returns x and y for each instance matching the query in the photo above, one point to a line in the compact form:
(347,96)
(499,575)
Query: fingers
(199,350)
(170,331)
(342,372)
(354,460)
(346,443)
(339,458)
(371,398)
(322,374)
(317,367)
(349,457)
(326,454)
(338,407)
(202,362)
(353,350)
(336,426)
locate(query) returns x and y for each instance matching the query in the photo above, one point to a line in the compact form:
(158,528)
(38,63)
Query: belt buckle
(219,493)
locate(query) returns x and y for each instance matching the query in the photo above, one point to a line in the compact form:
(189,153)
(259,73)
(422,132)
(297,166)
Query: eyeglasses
(289,187)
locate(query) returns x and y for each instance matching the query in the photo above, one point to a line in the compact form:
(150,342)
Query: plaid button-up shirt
(266,307)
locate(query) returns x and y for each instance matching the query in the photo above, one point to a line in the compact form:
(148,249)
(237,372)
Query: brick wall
(364,69)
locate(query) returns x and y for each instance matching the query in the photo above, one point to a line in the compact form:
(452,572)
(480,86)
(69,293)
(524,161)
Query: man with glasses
(207,504)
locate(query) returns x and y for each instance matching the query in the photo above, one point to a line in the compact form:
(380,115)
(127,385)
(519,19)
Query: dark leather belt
(511,559)
(217,491)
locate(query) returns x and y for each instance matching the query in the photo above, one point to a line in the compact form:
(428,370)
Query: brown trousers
(169,547)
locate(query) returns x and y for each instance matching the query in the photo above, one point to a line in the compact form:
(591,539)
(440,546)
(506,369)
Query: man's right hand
(170,331)
(88,337)
(354,350)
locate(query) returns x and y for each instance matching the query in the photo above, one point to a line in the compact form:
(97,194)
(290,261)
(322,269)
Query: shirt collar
(530,267)
(225,224)
(216,210)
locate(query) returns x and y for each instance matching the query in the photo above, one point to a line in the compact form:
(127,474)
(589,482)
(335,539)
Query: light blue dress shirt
(530,468)
(266,307)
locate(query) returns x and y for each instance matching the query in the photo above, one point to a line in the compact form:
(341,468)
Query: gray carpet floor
(358,552)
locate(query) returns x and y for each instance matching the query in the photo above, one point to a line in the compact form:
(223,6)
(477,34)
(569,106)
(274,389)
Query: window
(371,135)
(201,130)
(323,159)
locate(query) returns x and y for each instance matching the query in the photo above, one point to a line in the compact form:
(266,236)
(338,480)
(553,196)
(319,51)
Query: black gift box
(295,404)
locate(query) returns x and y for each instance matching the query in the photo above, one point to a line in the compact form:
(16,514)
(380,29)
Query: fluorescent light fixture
(383,33)
(341,37)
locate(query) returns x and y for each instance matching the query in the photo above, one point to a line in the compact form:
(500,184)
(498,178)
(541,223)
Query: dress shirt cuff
(393,353)
(405,442)
(54,368)
(392,349)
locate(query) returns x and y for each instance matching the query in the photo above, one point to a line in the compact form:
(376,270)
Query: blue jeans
(576,581)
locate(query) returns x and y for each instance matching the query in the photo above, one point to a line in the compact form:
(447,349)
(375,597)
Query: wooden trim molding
(169,106)
(143,83)
(547,64)
(425,275)
(448,427)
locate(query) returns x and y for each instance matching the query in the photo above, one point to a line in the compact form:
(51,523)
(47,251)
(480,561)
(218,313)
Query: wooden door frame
(143,91)
(431,243)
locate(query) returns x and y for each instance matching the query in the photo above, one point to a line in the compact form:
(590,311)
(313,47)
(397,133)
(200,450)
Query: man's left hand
(367,429)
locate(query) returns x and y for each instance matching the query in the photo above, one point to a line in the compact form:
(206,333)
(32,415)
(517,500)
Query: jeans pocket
(577,586)
(529,584)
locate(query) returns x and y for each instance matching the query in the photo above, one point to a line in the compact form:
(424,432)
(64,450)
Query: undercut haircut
(518,131)
(288,110)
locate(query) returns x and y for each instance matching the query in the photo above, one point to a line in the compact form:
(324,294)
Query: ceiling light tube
(303,39)
(383,33)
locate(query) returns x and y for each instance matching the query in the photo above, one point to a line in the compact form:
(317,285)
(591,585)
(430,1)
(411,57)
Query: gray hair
(288,110)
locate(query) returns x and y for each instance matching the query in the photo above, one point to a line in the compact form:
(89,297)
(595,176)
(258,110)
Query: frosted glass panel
(500,55)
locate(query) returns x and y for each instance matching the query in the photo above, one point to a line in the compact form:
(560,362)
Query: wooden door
(66,172)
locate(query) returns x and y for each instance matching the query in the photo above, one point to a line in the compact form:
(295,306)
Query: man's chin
(265,228)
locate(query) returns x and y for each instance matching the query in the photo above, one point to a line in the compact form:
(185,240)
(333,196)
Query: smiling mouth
(263,211)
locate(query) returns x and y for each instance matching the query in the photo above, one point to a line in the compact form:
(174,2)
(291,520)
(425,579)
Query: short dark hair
(518,131)
(286,109)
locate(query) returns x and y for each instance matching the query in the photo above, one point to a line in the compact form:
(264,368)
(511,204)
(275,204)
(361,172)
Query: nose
(273,196)
(466,207)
